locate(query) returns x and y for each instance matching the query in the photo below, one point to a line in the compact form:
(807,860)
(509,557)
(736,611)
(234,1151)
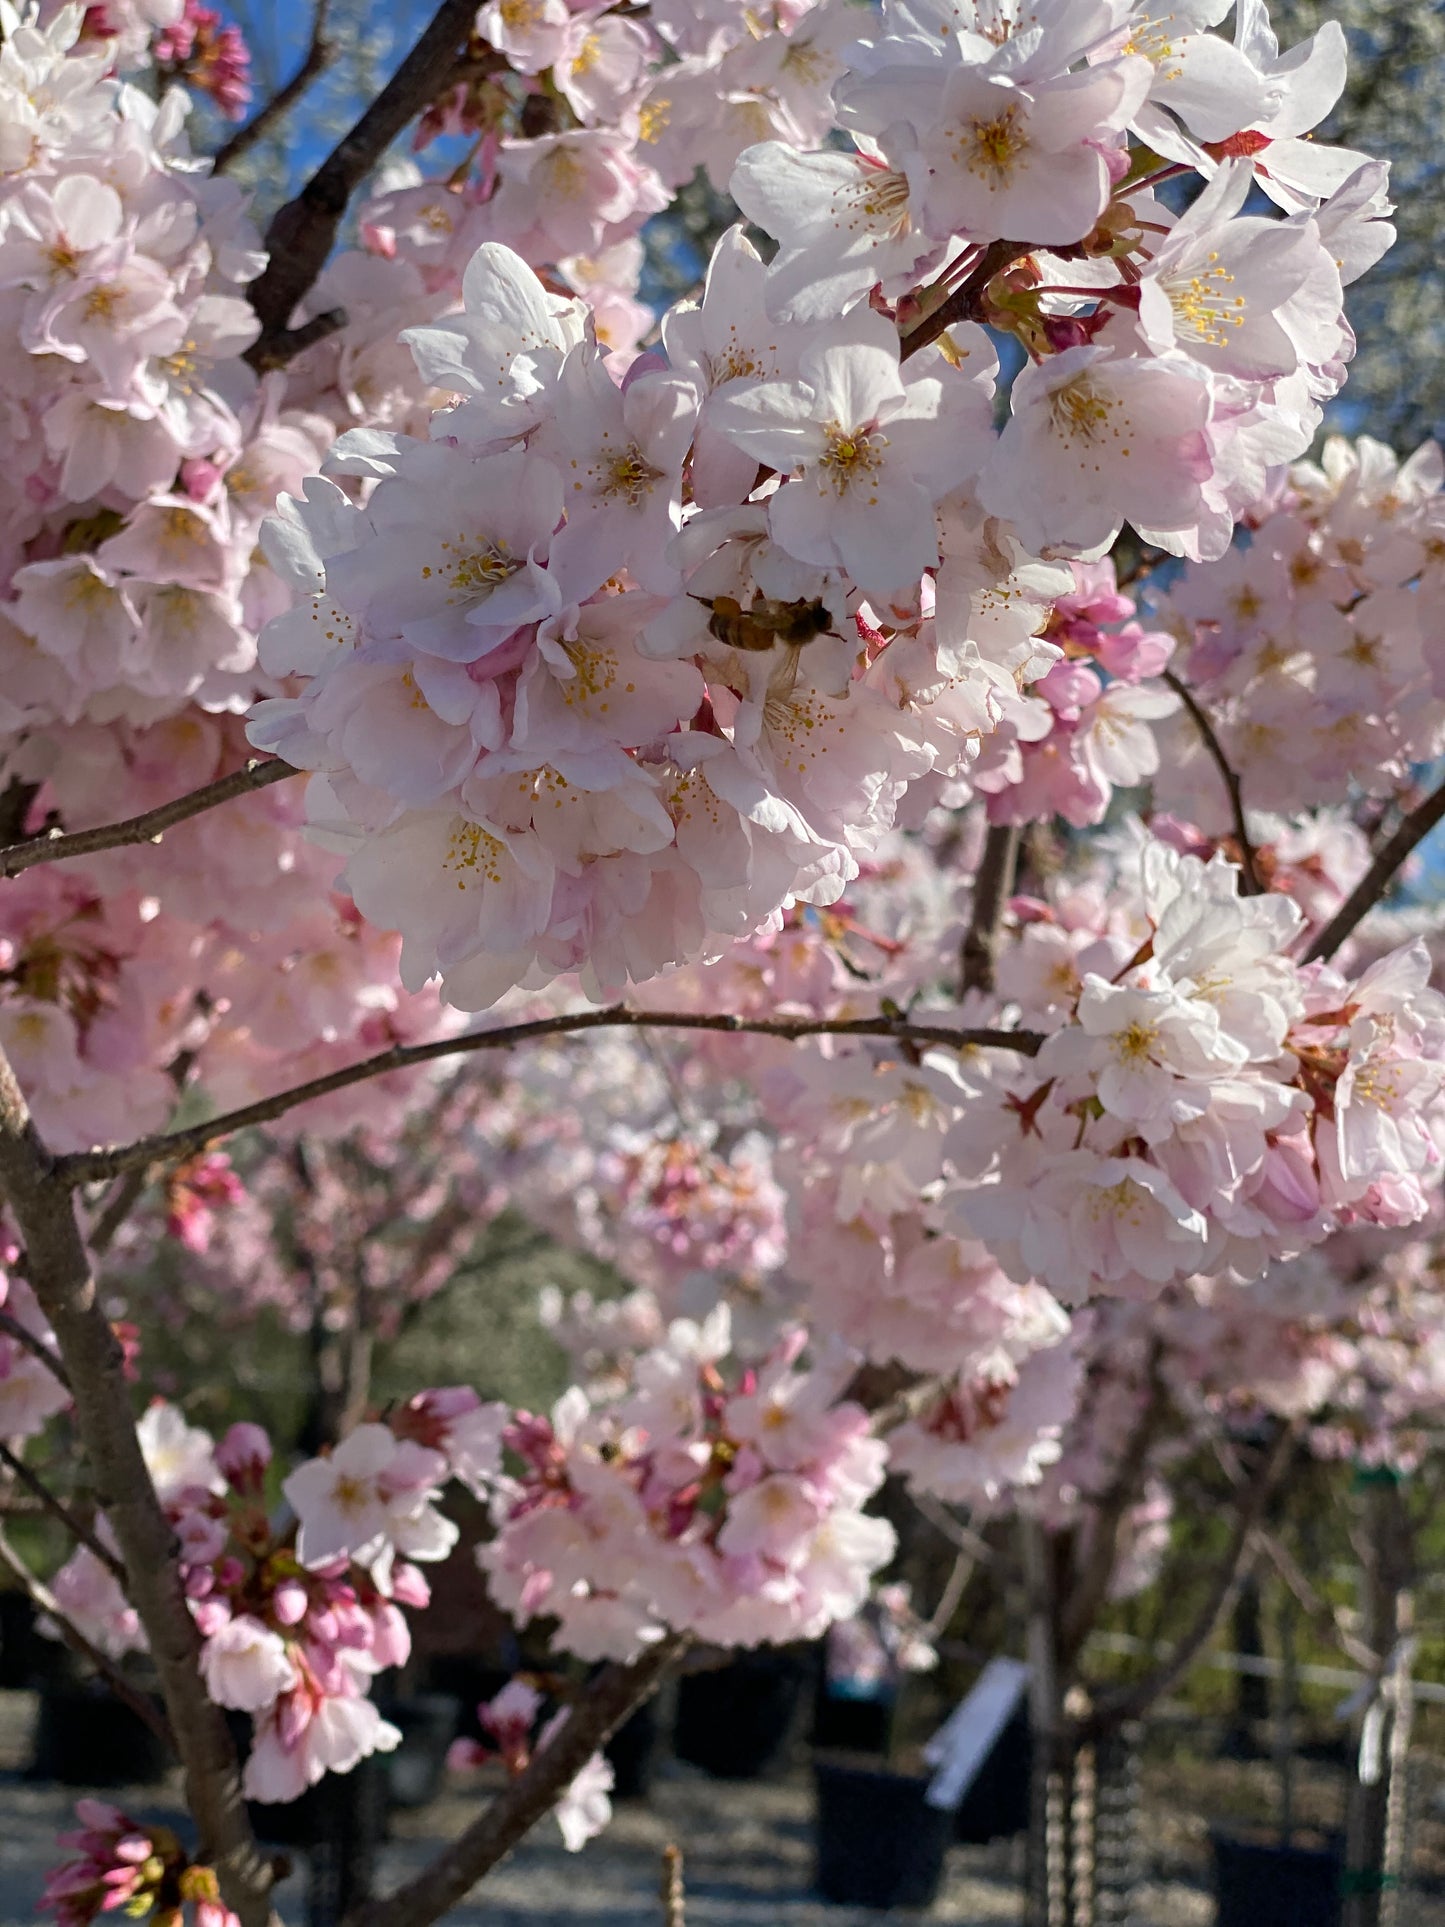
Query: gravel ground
(748,1848)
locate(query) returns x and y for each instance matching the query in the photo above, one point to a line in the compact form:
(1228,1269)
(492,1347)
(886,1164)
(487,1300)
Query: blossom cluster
(144,454)
(620,659)
(730,1506)
(141,1869)
(1209,1105)
(224,954)
(586,121)
(1317,647)
(727,1504)
(122,270)
(208,54)
(1089,726)
(295,1624)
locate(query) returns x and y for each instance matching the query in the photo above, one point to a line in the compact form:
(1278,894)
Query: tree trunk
(1375,1819)
(1046,1879)
(1082,1850)
(1251,1690)
(1084,1834)
(343,1859)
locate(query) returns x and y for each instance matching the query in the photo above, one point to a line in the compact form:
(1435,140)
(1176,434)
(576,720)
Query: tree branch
(56,846)
(1090,1589)
(1253,887)
(37,1348)
(318,58)
(301,234)
(1326,1618)
(140,1704)
(1132,1702)
(60,1276)
(116,1209)
(991,888)
(83,1167)
(969,1542)
(517,1808)
(911,1403)
(966,301)
(58,1509)
(1378,878)
(126,1193)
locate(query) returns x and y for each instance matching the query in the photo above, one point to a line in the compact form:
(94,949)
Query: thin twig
(910,1403)
(1133,1700)
(966,301)
(37,1347)
(954,1530)
(56,846)
(1089,1584)
(58,1509)
(84,1167)
(991,888)
(1324,1615)
(139,1703)
(127,1191)
(300,236)
(512,1814)
(964,1567)
(1248,863)
(116,1209)
(318,58)
(1380,875)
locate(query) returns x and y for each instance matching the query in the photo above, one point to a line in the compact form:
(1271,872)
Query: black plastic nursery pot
(735,1721)
(632,1753)
(852,1722)
(85,1736)
(1267,1884)
(996,1805)
(879,1843)
(20,1645)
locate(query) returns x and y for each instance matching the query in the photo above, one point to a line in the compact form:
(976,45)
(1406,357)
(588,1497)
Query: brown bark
(1372,1842)
(301,235)
(60,1275)
(517,1809)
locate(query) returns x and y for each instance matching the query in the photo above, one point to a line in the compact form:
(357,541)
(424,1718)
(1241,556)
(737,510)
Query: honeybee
(766,622)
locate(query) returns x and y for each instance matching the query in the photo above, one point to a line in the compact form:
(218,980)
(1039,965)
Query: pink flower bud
(289,1602)
(210,1616)
(100,1815)
(243,1455)
(409,1586)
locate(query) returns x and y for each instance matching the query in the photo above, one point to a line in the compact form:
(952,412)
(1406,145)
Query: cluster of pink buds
(209,54)
(195,1191)
(144,1870)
